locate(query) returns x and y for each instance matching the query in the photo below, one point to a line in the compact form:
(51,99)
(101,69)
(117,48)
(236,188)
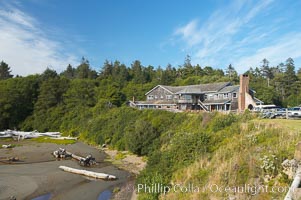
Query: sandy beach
(36,174)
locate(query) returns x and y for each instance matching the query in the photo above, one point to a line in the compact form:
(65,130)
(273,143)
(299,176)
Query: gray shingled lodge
(222,96)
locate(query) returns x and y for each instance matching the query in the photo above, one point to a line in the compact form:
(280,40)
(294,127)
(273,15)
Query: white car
(294,112)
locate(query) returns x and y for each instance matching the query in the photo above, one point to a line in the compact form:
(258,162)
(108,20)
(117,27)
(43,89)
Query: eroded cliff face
(255,160)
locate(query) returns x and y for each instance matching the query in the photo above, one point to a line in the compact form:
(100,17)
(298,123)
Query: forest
(24,101)
(81,101)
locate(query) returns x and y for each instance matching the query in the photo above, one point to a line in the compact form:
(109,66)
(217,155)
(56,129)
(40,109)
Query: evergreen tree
(84,71)
(107,69)
(137,72)
(69,72)
(198,70)
(289,76)
(266,71)
(49,74)
(168,75)
(187,67)
(290,70)
(231,72)
(5,71)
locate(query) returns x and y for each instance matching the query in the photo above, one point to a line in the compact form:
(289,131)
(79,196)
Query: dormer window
(150,97)
(168,97)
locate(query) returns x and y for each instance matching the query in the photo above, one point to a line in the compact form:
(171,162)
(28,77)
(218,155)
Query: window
(215,96)
(156,97)
(225,95)
(168,97)
(162,97)
(186,97)
(150,97)
(205,97)
(234,95)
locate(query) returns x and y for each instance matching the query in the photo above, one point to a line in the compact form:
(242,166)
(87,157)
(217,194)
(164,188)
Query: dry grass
(237,160)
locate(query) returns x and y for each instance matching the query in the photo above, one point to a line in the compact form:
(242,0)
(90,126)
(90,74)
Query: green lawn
(51,140)
(292,124)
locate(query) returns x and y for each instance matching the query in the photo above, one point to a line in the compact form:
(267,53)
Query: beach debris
(291,194)
(83,161)
(6,146)
(88,173)
(61,153)
(12,198)
(13,159)
(88,161)
(20,135)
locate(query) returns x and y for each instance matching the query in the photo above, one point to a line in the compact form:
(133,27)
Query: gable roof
(193,89)
(203,88)
(161,86)
(229,89)
(173,89)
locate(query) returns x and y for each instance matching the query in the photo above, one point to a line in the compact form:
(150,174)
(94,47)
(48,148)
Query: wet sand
(37,173)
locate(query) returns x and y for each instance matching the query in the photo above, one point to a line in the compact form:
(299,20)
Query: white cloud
(189,33)
(239,34)
(26,47)
(287,46)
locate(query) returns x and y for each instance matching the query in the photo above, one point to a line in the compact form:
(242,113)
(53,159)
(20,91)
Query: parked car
(280,113)
(294,112)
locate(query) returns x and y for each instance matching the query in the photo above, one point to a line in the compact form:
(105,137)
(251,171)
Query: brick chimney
(243,91)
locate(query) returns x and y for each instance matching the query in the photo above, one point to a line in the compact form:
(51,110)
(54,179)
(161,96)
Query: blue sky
(35,34)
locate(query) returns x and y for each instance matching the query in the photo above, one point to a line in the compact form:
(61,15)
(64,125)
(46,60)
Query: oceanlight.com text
(210,188)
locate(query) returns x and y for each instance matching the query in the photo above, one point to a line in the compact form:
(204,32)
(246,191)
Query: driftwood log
(88,173)
(87,161)
(294,190)
(61,153)
(84,161)
(295,184)
(6,146)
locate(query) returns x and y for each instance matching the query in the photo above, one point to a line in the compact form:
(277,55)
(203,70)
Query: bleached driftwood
(6,146)
(84,161)
(61,153)
(76,157)
(27,135)
(88,173)
(87,161)
(295,184)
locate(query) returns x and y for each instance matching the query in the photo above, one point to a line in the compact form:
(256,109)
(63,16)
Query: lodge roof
(193,89)
(203,88)
(230,88)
